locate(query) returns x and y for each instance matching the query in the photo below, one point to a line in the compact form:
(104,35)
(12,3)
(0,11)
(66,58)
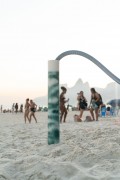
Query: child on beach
(77,118)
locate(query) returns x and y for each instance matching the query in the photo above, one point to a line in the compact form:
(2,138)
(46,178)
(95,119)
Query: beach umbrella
(114,102)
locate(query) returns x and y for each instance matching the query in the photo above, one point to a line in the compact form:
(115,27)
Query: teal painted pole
(53,102)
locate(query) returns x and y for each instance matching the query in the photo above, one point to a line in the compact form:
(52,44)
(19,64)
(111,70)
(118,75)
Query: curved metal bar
(95,61)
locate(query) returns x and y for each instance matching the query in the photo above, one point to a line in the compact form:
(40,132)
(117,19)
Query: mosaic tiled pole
(53,102)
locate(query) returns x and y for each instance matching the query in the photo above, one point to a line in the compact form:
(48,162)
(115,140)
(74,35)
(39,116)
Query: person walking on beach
(33,107)
(95,103)
(63,109)
(13,108)
(21,108)
(1,109)
(26,113)
(82,103)
(16,107)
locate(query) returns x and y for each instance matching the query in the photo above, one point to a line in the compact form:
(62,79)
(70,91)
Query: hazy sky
(35,31)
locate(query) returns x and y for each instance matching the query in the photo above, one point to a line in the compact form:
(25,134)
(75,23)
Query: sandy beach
(87,150)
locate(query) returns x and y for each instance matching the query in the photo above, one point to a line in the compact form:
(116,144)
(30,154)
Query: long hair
(63,88)
(93,90)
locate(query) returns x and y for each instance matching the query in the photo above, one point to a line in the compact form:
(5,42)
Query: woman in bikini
(26,113)
(33,107)
(82,103)
(63,100)
(96,102)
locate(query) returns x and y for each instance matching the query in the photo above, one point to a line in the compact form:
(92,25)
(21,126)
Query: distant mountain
(111,91)
(41,101)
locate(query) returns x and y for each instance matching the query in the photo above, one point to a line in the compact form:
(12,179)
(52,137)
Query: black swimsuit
(32,109)
(82,103)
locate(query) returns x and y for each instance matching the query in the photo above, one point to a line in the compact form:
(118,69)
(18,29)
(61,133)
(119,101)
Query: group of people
(95,103)
(15,108)
(30,109)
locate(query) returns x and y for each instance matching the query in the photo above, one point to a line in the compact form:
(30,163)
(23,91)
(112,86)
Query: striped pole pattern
(53,102)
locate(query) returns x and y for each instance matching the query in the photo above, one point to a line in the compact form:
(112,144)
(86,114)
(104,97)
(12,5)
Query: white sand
(87,150)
